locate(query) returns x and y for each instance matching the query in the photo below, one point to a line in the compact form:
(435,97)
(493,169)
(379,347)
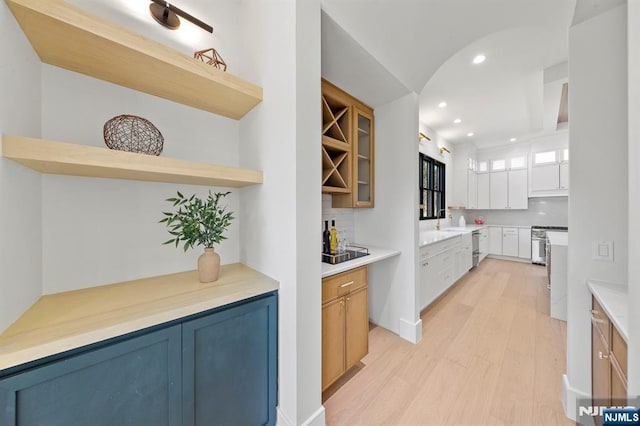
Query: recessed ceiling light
(470,134)
(457,121)
(513,140)
(479,59)
(442,104)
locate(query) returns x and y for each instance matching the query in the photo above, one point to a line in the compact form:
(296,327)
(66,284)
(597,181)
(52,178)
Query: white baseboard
(411,331)
(513,259)
(316,419)
(570,396)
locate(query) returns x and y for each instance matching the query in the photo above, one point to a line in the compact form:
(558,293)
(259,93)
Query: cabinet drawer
(600,320)
(341,284)
(439,247)
(619,350)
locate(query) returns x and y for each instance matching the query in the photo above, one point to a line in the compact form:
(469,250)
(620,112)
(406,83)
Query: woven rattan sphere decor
(133,134)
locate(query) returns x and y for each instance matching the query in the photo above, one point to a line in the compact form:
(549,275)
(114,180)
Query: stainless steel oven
(539,242)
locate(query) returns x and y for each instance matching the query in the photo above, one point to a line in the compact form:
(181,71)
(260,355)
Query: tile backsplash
(549,211)
(345,219)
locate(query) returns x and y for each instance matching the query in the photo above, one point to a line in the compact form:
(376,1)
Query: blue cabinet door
(230,366)
(135,381)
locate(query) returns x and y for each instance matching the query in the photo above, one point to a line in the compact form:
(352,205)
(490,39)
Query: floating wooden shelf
(81,160)
(68,37)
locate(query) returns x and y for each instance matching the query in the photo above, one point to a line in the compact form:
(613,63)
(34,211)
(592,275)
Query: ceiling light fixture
(442,104)
(513,140)
(470,134)
(167,14)
(443,150)
(479,59)
(457,121)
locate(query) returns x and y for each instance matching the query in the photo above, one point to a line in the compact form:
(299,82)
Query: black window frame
(431,185)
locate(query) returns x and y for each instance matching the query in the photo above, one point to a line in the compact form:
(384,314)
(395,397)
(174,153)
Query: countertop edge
(376,254)
(596,287)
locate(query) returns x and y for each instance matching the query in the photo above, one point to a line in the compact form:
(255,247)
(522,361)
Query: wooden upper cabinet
(347,148)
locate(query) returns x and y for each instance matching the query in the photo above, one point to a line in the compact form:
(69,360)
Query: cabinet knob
(602,356)
(342,302)
(348,299)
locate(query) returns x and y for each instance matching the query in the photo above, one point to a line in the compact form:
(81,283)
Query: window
(565,154)
(497,165)
(545,157)
(432,183)
(482,166)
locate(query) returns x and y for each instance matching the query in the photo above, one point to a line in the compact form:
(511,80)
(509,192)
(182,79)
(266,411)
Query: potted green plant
(199,222)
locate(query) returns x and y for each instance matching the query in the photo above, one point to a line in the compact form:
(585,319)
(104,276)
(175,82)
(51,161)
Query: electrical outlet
(603,251)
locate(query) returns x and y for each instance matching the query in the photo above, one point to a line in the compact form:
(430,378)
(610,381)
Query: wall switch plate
(603,251)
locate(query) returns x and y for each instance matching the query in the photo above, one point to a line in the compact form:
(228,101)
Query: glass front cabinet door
(363,188)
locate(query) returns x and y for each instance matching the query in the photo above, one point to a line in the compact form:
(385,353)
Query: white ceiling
(428,46)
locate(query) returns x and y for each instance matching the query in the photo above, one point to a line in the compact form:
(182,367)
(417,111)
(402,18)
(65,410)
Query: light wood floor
(490,355)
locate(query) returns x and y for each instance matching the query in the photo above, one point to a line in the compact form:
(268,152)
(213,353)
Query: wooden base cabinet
(345,323)
(217,367)
(608,362)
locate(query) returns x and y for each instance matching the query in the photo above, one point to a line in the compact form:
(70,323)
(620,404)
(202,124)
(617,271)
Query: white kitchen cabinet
(484,190)
(524,243)
(510,242)
(495,240)
(441,265)
(429,281)
(472,188)
(564,175)
(518,193)
(545,178)
(509,189)
(483,244)
(550,173)
(499,190)
(457,263)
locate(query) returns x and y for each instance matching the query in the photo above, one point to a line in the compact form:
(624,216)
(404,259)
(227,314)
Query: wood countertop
(69,320)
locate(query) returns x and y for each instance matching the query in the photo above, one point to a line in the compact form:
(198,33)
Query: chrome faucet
(438,218)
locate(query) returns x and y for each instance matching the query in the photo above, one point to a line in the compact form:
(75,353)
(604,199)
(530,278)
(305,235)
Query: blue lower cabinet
(230,366)
(133,382)
(217,369)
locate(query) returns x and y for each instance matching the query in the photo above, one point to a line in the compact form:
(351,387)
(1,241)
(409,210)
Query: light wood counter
(69,320)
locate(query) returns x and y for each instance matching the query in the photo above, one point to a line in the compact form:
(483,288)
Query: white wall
(598,200)
(100,231)
(432,149)
(634,196)
(279,234)
(393,222)
(20,188)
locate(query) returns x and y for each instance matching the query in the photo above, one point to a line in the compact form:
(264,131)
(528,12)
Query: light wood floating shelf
(81,160)
(68,37)
(69,320)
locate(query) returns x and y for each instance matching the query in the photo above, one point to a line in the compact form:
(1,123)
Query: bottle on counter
(333,245)
(462,223)
(326,238)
